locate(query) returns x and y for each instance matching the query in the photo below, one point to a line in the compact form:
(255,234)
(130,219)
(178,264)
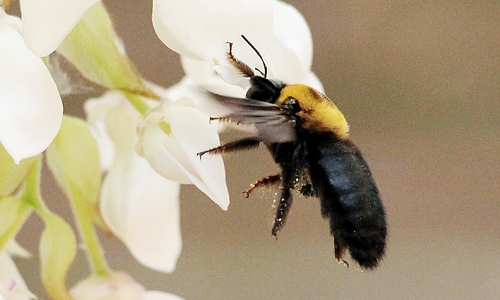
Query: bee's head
(264,89)
(261,88)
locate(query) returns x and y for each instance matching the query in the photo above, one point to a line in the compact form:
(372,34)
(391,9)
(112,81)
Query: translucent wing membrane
(273,124)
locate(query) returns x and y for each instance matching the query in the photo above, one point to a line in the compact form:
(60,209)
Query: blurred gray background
(419,82)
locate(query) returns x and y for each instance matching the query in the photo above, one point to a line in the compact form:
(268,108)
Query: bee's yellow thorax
(318,113)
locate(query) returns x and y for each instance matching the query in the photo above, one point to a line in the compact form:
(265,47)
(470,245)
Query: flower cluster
(121,168)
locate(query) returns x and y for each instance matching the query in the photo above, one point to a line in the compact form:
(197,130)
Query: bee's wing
(272,123)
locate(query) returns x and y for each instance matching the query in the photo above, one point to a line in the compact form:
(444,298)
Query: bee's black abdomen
(350,198)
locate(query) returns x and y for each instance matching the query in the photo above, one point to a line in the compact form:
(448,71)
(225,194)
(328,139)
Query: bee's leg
(238,64)
(288,176)
(269,180)
(282,212)
(242,144)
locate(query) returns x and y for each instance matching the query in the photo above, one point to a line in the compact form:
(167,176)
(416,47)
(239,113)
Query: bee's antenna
(260,56)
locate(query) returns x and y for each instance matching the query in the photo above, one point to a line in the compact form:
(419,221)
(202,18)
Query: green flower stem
(22,211)
(31,192)
(137,102)
(95,253)
(57,243)
(73,158)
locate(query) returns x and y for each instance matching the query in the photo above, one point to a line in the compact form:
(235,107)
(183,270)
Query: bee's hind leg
(266,181)
(288,176)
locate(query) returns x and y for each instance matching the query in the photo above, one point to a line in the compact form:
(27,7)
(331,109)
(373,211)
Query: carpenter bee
(307,136)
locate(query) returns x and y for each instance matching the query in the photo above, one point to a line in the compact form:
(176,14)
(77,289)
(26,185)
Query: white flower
(275,28)
(139,206)
(173,133)
(289,57)
(118,286)
(188,25)
(47,22)
(12,285)
(30,105)
(199,73)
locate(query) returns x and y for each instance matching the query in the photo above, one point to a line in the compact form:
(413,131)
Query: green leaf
(73,158)
(12,174)
(57,252)
(94,48)
(13,213)
(57,243)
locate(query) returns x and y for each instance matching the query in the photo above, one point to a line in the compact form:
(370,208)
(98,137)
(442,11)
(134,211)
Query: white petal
(96,110)
(9,270)
(173,154)
(12,285)
(200,74)
(153,233)
(47,22)
(284,64)
(193,133)
(165,161)
(289,56)
(291,30)
(200,29)
(14,249)
(195,95)
(142,209)
(139,206)
(166,35)
(31,108)
(115,194)
(118,286)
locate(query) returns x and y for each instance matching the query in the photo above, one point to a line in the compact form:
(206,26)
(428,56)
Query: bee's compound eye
(291,104)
